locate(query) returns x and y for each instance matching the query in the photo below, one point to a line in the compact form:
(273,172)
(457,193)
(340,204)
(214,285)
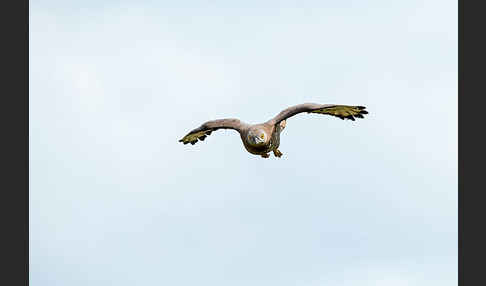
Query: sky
(115,199)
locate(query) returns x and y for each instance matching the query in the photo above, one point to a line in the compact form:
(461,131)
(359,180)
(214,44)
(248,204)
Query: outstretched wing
(204,130)
(341,111)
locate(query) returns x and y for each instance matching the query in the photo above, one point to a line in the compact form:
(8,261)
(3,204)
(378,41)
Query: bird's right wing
(207,128)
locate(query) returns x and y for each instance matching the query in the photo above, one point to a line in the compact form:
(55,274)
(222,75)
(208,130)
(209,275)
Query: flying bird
(261,139)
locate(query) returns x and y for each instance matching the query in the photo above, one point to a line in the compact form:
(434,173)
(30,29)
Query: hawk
(261,139)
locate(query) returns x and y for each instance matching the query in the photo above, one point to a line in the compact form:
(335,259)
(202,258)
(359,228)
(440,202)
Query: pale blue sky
(116,200)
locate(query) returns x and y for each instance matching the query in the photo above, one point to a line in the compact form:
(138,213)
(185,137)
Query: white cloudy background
(116,200)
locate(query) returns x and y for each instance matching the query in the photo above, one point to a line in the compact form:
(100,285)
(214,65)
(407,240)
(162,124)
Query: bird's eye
(262,136)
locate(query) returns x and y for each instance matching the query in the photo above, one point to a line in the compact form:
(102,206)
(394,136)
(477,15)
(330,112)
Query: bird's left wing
(341,111)
(207,128)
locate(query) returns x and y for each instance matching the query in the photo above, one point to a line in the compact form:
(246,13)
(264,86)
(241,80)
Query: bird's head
(257,137)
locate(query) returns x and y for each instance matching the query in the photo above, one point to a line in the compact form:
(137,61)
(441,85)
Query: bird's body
(269,145)
(261,139)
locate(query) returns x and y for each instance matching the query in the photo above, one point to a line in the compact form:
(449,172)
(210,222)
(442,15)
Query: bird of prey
(261,139)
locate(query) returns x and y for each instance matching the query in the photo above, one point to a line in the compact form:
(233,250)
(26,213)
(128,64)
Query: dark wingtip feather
(202,137)
(350,117)
(360,107)
(364,112)
(359,115)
